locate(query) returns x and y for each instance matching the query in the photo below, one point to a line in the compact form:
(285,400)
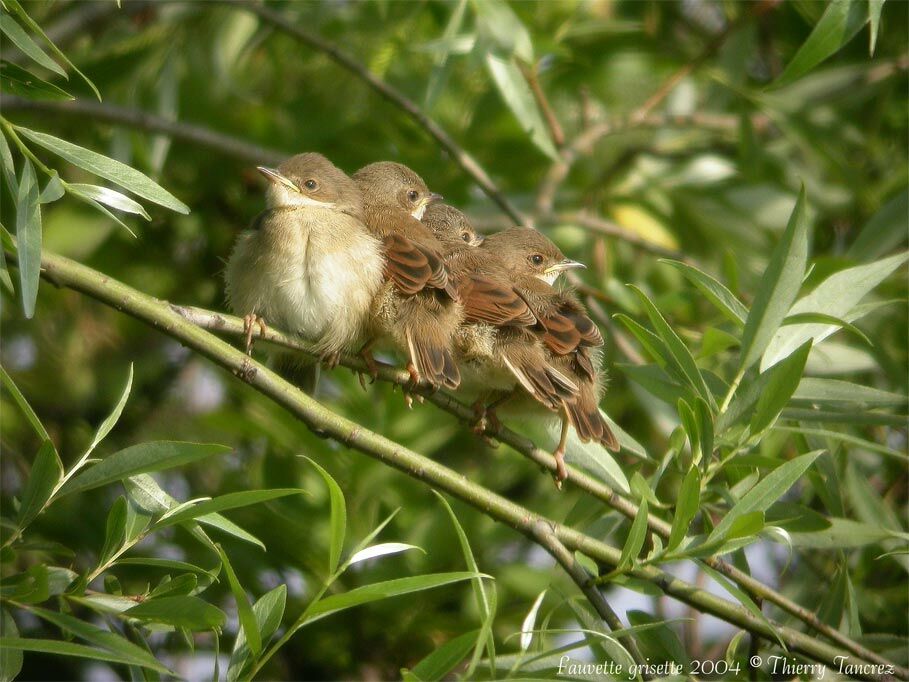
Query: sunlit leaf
(781,383)
(185,612)
(225,502)
(715,292)
(530,621)
(338,517)
(382,549)
(23,41)
(109,197)
(28,237)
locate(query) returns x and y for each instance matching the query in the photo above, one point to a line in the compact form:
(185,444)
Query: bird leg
(331,360)
(249,322)
(559,453)
(371,366)
(479,416)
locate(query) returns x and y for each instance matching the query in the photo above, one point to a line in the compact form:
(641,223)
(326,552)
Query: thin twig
(342,58)
(533,80)
(159,314)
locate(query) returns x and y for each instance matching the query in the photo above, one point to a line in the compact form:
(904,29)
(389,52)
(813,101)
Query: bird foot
(372,367)
(561,470)
(249,322)
(331,360)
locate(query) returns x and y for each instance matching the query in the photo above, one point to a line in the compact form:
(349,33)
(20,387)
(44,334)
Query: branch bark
(159,314)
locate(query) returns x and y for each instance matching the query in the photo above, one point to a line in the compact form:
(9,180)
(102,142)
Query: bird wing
(486,300)
(414,267)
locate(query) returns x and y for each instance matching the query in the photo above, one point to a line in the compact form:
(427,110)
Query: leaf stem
(732,388)
(11,132)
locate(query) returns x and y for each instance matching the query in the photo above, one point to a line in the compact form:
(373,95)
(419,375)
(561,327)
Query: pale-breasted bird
(308,264)
(571,338)
(497,343)
(418,308)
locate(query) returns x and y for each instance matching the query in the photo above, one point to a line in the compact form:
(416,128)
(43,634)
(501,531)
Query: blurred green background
(711,173)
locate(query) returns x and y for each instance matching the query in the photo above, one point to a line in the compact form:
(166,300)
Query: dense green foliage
(745,172)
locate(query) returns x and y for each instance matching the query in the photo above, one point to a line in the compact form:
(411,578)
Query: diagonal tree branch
(67,273)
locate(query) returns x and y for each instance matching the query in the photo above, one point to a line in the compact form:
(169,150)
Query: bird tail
(543,381)
(432,359)
(587,420)
(301,372)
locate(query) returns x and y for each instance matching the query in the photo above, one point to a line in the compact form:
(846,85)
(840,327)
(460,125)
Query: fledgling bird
(498,348)
(308,264)
(571,338)
(418,308)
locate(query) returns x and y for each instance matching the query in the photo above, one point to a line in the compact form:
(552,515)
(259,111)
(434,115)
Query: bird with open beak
(308,264)
(417,309)
(497,345)
(571,339)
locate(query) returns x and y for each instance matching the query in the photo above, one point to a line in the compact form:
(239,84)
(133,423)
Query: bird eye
(413,194)
(536,259)
(310,184)
(465,236)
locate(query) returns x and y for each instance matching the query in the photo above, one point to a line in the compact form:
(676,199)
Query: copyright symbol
(755,661)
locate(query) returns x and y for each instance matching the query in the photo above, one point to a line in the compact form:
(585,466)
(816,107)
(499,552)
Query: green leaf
(59,648)
(104,638)
(659,642)
(441,66)
(35,28)
(686,507)
(384,590)
(181,585)
(338,517)
(530,621)
(443,660)
(164,564)
(485,600)
(9,168)
(836,296)
(268,612)
(679,355)
(223,503)
(111,420)
(244,610)
(636,537)
(845,534)
(746,526)
(874,17)
(840,22)
(821,318)
(182,612)
(848,438)
(109,197)
(115,530)
(782,380)
(21,39)
(52,191)
(45,474)
(382,549)
(779,286)
(98,207)
(715,292)
(28,238)
(771,488)
(18,81)
(885,231)
(10,659)
(502,30)
(141,458)
(109,169)
(513,88)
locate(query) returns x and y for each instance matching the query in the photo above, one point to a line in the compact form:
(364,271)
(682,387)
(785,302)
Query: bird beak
(434,198)
(274,176)
(562,266)
(477,240)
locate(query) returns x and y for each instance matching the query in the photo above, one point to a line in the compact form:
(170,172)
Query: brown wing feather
(589,424)
(488,301)
(414,267)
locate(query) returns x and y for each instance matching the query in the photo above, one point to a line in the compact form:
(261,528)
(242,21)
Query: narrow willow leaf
(530,621)
(58,648)
(103,209)
(244,610)
(164,564)
(847,438)
(437,665)
(184,612)
(107,168)
(52,191)
(10,659)
(690,425)
(502,30)
(111,420)
(782,381)
(636,537)
(771,488)
(45,474)
(225,502)
(821,318)
(9,168)
(885,231)
(874,17)
(382,549)
(141,458)
(485,598)
(704,418)
(35,28)
(845,534)
(268,612)
(837,296)
(686,508)
(103,638)
(516,93)
(27,410)
(338,517)
(18,81)
(838,24)
(384,590)
(715,292)
(778,288)
(115,530)
(679,354)
(23,41)
(28,237)
(441,67)
(109,197)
